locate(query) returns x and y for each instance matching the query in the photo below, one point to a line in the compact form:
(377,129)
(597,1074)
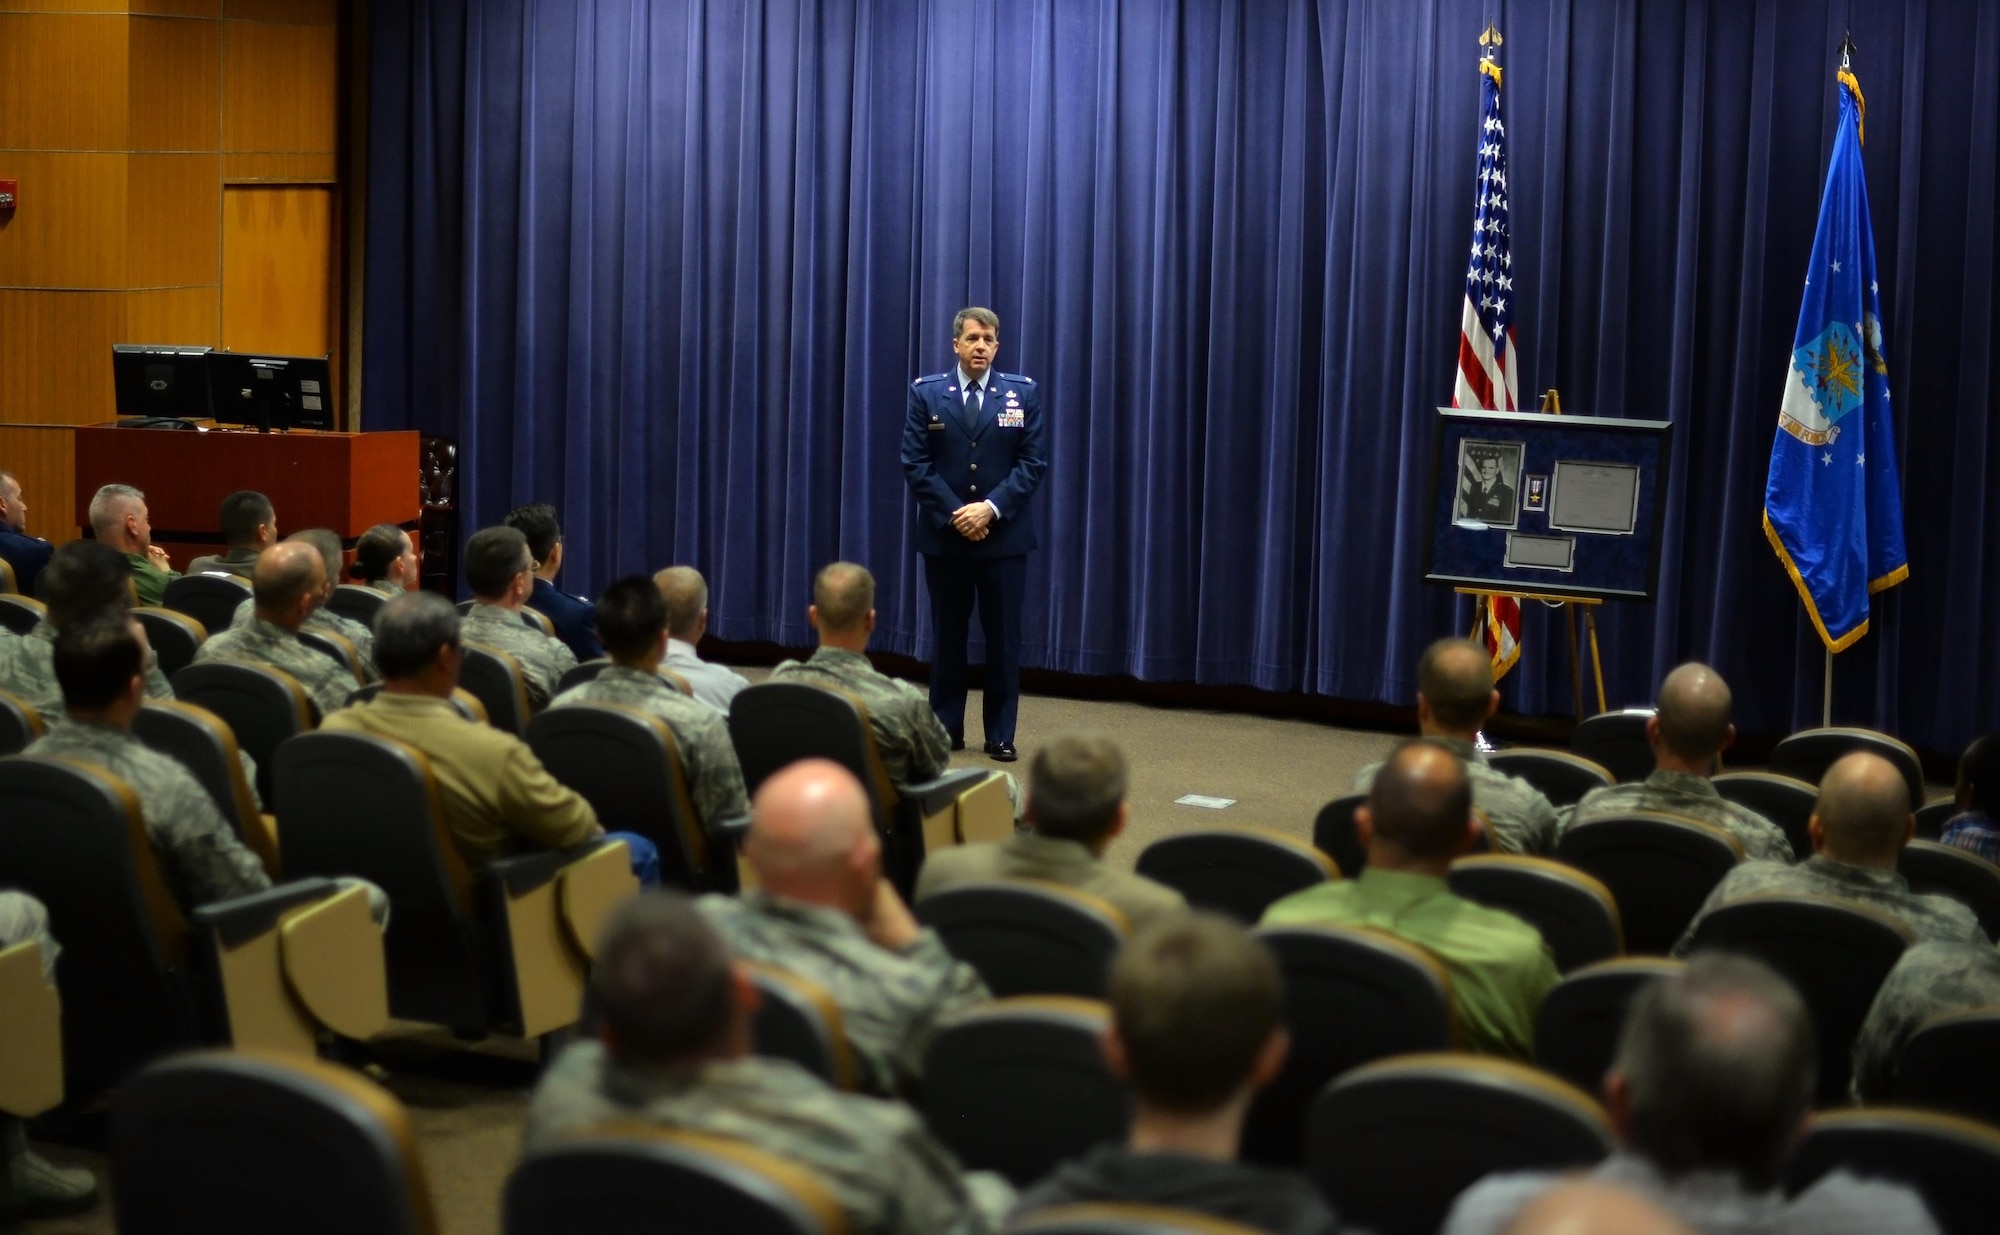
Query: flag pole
(1826,694)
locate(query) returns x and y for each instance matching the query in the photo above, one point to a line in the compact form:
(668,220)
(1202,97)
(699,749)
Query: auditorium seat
(634,1179)
(205,744)
(1834,953)
(1785,800)
(356,603)
(1020,1085)
(1237,871)
(1950,1161)
(210,599)
(1122,1218)
(262,706)
(1352,995)
(495,679)
(31,1059)
(338,646)
(1660,868)
(797,1019)
(1962,875)
(1951,1063)
(627,765)
(774,724)
(1577,1028)
(1334,835)
(1576,915)
(235,1144)
(174,637)
(1562,777)
(20,724)
(19,613)
(139,979)
(1810,752)
(1392,1144)
(1616,741)
(1028,937)
(585,671)
(502,949)
(7,581)
(1933,815)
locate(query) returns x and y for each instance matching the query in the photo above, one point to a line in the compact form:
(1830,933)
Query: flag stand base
(1569,605)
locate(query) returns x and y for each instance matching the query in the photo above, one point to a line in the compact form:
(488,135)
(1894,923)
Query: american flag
(1486,377)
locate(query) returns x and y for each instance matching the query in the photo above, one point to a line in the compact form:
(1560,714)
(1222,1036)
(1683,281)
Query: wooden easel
(1483,597)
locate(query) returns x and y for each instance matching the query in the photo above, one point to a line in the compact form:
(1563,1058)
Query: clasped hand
(973,520)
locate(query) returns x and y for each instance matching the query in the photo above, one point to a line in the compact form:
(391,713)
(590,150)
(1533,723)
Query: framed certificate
(1594,497)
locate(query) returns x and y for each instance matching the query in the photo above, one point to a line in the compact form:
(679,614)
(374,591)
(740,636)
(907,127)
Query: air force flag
(1832,506)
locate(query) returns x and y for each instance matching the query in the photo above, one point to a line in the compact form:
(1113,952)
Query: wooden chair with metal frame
(1237,871)
(19,613)
(174,636)
(1785,800)
(1577,1027)
(20,723)
(262,705)
(1660,869)
(1962,875)
(797,1019)
(1949,1160)
(1028,936)
(1576,914)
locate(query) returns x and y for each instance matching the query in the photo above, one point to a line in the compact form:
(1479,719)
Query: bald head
(1419,807)
(1694,714)
(1585,1207)
(287,582)
(812,836)
(1863,814)
(1455,687)
(686,594)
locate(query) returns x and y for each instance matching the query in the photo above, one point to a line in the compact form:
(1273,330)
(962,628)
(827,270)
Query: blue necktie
(971,408)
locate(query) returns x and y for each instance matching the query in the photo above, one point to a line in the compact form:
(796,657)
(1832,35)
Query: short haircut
(493,557)
(409,631)
(377,551)
(1721,1064)
(327,542)
(82,576)
(1075,785)
(1694,712)
(1456,678)
(1421,803)
(686,594)
(1978,771)
(96,658)
(662,979)
(985,317)
(1194,999)
(843,594)
(1863,806)
(537,521)
(281,579)
(631,617)
(242,513)
(108,507)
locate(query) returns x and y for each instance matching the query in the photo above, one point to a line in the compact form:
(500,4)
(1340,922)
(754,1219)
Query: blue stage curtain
(670,265)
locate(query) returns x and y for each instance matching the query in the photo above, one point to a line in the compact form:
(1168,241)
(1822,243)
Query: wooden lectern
(345,481)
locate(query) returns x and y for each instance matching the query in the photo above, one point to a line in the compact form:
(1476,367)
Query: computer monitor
(271,392)
(162,380)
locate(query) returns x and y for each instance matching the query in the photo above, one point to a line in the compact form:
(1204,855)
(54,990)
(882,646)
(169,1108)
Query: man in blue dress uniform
(974,453)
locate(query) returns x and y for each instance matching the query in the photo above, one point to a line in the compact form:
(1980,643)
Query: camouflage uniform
(24,920)
(912,740)
(543,660)
(890,1002)
(1935,919)
(715,778)
(327,681)
(326,620)
(878,1159)
(385,587)
(1682,793)
(1523,821)
(28,669)
(1932,980)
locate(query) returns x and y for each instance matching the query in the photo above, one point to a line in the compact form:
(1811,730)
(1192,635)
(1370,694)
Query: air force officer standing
(974,453)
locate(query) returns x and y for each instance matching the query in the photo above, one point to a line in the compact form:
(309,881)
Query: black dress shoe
(1001,752)
(958,743)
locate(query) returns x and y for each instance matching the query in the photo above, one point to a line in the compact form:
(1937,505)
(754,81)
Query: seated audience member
(1711,1086)
(326,543)
(26,554)
(1974,828)
(1417,819)
(574,617)
(82,577)
(1076,806)
(632,619)
(249,526)
(824,911)
(385,559)
(911,739)
(1688,733)
(30,1185)
(673,1048)
(1196,1030)
(1931,980)
(289,585)
(1859,828)
(1585,1207)
(1455,696)
(118,518)
(499,569)
(686,594)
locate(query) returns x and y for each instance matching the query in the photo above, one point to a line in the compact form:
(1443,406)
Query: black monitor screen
(271,392)
(157,380)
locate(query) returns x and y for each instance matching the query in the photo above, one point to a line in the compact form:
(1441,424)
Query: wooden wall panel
(43,459)
(277,266)
(186,315)
(176,84)
(70,229)
(55,355)
(308,12)
(178,8)
(171,233)
(280,87)
(280,168)
(62,81)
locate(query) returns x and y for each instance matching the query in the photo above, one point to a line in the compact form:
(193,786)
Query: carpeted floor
(466,1111)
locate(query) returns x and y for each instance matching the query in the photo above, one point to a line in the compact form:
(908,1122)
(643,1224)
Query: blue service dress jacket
(951,460)
(574,618)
